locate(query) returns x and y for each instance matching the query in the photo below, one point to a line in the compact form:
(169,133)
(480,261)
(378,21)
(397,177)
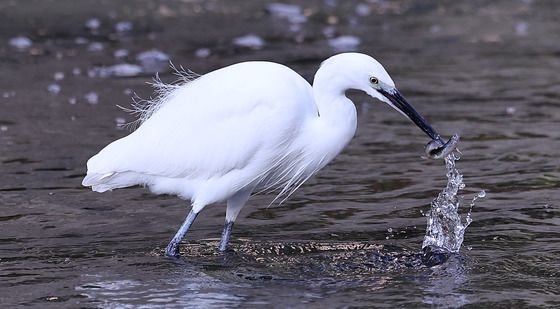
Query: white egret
(243,129)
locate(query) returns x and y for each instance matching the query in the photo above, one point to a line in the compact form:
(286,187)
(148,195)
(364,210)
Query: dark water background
(487,70)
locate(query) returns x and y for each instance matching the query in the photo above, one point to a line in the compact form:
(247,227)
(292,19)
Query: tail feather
(92,179)
(101,182)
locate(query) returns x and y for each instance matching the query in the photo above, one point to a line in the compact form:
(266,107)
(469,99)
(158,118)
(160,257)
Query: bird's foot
(226,234)
(172,250)
(223,247)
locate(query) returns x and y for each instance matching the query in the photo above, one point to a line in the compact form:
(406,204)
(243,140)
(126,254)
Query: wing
(223,121)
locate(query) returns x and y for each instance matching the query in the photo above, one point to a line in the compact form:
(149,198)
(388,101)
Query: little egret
(247,128)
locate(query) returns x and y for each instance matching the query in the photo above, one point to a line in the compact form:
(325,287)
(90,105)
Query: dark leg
(225,236)
(234,205)
(173,247)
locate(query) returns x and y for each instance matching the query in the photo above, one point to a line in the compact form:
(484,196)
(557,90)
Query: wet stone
(8,94)
(123,27)
(92,24)
(121,53)
(363,9)
(202,52)
(20,42)
(250,41)
(344,43)
(522,28)
(153,61)
(91,98)
(291,12)
(335,260)
(95,47)
(81,40)
(58,76)
(54,88)
(117,70)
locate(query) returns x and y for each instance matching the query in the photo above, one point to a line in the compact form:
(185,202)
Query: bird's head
(363,72)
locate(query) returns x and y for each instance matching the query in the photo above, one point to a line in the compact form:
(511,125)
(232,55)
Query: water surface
(486,70)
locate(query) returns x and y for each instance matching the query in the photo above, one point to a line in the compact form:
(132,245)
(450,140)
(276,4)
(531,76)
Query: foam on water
(446,228)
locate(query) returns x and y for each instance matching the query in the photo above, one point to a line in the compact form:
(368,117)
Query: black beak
(400,102)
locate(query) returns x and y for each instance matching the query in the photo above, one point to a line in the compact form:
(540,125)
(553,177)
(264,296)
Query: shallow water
(484,70)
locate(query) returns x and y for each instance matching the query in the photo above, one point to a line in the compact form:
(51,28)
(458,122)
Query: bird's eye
(373,80)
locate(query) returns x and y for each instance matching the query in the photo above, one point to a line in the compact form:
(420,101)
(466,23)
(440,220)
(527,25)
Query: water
(445,228)
(351,236)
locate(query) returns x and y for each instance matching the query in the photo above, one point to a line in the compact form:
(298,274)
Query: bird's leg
(234,205)
(173,246)
(225,236)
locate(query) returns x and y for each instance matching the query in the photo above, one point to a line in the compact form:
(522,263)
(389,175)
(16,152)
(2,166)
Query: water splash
(446,228)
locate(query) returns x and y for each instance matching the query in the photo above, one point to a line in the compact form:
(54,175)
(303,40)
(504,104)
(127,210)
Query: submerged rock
(250,41)
(54,88)
(121,53)
(202,52)
(362,9)
(345,43)
(58,76)
(95,47)
(341,260)
(123,27)
(92,97)
(20,42)
(92,24)
(522,28)
(81,40)
(153,61)
(291,12)
(117,70)
(8,94)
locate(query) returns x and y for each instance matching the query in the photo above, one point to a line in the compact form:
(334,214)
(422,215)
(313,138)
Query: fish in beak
(437,148)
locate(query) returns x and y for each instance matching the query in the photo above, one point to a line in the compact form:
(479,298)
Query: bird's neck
(334,107)
(337,120)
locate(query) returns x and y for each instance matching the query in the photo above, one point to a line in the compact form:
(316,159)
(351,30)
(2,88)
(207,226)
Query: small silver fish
(437,149)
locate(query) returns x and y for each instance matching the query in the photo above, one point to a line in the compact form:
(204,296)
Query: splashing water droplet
(445,228)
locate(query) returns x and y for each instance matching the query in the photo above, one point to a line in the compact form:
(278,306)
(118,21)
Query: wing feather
(223,121)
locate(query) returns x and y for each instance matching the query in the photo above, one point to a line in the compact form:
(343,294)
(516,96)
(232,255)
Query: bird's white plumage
(248,127)
(211,134)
